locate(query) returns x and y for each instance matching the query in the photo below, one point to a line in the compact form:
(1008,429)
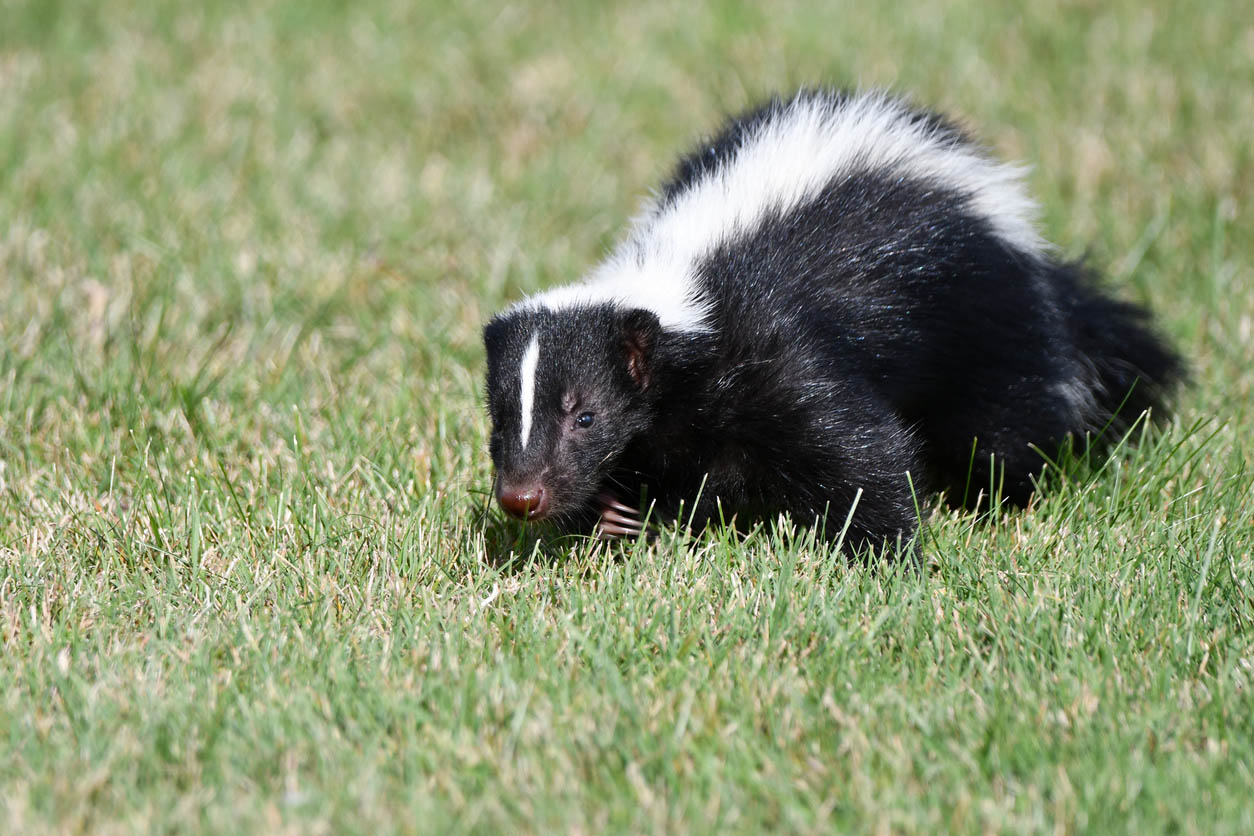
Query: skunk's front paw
(616,520)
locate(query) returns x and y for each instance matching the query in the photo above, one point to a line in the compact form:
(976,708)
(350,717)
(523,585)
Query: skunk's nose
(529,502)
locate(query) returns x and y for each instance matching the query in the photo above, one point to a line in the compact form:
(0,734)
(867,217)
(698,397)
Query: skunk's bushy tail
(1135,369)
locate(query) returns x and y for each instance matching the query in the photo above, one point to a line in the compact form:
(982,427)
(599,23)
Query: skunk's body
(838,300)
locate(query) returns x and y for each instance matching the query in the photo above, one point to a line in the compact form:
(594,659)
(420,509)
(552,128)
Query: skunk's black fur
(883,324)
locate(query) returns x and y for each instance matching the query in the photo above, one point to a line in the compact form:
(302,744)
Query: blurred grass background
(249,578)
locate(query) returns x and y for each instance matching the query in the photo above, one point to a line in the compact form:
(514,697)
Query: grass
(249,576)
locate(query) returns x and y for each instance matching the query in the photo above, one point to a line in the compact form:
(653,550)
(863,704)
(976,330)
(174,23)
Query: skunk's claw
(608,501)
(617,519)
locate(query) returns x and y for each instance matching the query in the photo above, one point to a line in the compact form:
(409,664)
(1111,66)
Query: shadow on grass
(510,545)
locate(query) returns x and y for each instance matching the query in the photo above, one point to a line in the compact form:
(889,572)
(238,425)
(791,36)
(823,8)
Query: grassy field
(249,575)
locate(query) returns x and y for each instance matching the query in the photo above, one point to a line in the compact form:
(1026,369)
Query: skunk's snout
(526,502)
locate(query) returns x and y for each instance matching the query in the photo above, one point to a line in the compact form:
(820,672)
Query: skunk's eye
(584,420)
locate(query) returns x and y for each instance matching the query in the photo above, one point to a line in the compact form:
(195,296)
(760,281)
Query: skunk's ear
(494,334)
(639,332)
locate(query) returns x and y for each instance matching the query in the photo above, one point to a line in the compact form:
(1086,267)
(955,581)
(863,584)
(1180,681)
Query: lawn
(250,578)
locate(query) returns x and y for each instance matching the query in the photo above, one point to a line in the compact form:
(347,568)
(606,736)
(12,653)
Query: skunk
(835,304)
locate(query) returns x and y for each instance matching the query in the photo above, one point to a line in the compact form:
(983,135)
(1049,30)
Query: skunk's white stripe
(786,161)
(527,385)
(789,159)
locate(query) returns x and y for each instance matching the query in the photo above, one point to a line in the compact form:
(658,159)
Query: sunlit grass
(249,575)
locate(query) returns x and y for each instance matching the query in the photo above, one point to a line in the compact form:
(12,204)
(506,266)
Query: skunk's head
(567,391)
